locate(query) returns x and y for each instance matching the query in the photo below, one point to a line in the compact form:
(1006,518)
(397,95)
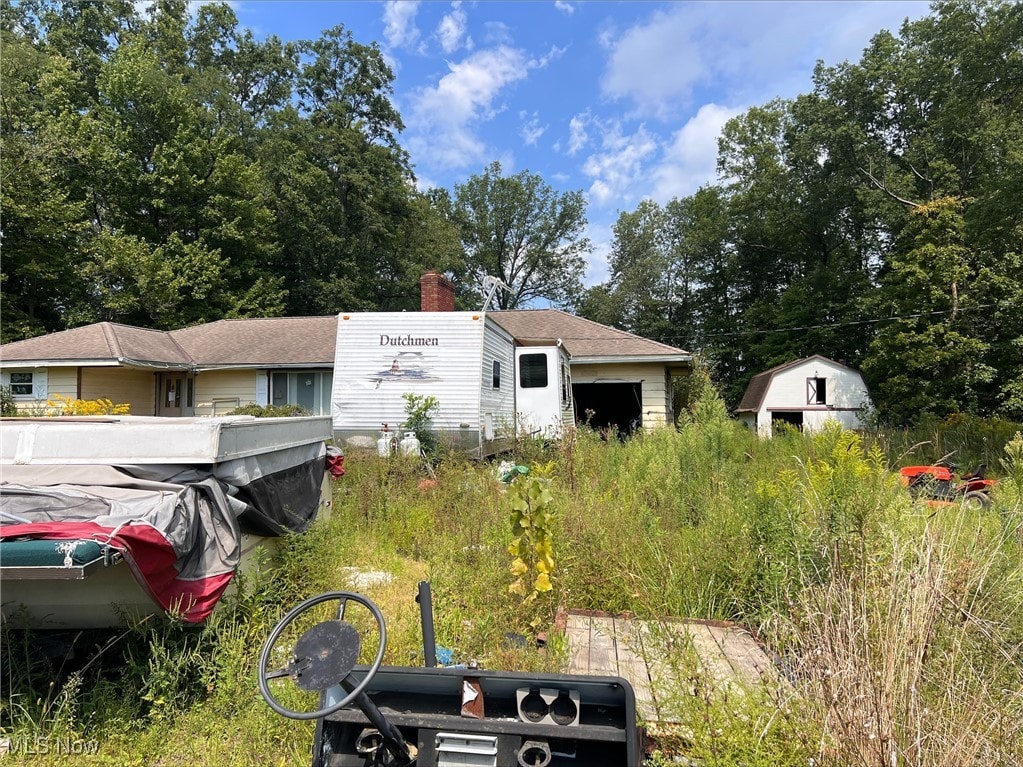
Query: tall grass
(900,626)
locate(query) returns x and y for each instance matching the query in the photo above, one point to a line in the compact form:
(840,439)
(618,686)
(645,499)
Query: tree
(519,229)
(929,359)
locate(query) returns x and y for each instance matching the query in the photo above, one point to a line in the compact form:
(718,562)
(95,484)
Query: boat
(108,519)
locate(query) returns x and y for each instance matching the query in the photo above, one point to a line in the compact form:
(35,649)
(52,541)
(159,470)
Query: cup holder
(545,705)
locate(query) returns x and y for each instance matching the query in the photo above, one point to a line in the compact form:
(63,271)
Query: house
(805,393)
(206,369)
(618,378)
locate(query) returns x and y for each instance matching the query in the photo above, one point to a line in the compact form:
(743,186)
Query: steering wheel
(323,656)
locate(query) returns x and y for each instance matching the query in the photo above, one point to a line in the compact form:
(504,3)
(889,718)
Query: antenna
(491,284)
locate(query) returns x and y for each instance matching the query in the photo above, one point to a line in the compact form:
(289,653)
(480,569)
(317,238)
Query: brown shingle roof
(282,341)
(583,338)
(264,341)
(102,341)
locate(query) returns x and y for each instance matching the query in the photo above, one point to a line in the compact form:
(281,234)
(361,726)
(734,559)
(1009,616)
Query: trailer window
(497,374)
(533,371)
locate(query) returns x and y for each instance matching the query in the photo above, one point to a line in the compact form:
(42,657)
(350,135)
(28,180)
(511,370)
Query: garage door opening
(606,405)
(794,418)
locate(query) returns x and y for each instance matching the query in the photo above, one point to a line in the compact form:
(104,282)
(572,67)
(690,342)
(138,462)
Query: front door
(175,398)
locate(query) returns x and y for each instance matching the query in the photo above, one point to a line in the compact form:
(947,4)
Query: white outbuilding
(805,393)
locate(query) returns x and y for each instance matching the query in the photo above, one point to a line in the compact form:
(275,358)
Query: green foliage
(419,410)
(270,411)
(868,220)
(532,529)
(166,169)
(519,229)
(894,620)
(7,406)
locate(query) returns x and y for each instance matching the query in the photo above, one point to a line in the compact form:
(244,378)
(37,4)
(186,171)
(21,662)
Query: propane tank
(384,443)
(409,444)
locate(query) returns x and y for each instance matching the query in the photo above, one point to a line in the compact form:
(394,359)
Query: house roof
(260,342)
(100,342)
(272,341)
(753,398)
(305,341)
(586,340)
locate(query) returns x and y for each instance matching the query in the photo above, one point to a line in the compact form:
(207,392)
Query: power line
(848,323)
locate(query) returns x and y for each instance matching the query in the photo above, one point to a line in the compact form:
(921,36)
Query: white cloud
(531,129)
(443,116)
(400,23)
(564,7)
(618,167)
(578,138)
(749,52)
(690,160)
(452,28)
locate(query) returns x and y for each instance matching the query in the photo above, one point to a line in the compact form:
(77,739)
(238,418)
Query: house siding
(136,388)
(654,387)
(218,391)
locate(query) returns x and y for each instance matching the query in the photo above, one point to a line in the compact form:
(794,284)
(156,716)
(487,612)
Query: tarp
(181,539)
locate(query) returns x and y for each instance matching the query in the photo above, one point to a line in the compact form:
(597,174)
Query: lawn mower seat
(978,474)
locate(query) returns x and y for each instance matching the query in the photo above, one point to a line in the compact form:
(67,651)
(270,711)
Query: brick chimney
(437,294)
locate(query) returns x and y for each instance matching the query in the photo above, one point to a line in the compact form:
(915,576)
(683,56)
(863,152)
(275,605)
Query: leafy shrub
(61,405)
(419,410)
(270,411)
(7,406)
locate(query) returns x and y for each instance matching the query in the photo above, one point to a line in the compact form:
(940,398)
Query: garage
(618,405)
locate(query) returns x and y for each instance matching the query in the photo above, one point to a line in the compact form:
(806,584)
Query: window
(497,374)
(533,371)
(309,389)
(816,391)
(21,384)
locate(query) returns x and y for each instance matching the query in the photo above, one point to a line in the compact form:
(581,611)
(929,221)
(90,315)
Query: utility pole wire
(849,323)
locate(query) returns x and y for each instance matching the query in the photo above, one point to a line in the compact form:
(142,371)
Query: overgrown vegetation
(419,410)
(270,411)
(897,626)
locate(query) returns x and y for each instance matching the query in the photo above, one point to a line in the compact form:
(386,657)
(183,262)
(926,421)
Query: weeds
(901,627)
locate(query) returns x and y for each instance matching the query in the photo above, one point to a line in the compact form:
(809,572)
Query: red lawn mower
(939,485)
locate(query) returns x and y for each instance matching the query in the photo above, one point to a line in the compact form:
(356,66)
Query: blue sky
(619,100)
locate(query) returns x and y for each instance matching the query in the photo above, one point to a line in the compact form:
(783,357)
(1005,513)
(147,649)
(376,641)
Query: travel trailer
(488,390)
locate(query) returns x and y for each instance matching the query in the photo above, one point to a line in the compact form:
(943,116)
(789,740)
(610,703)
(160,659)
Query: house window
(21,383)
(497,374)
(816,391)
(309,389)
(533,371)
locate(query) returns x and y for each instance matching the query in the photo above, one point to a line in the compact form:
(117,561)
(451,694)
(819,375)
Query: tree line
(877,220)
(162,170)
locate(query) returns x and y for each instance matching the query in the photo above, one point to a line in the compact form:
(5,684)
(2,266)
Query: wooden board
(726,657)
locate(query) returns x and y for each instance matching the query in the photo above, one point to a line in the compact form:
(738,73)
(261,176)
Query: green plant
(270,411)
(532,545)
(7,406)
(419,410)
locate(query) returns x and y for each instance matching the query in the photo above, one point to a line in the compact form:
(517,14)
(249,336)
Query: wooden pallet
(724,656)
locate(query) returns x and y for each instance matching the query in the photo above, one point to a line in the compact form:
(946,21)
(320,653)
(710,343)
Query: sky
(619,100)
